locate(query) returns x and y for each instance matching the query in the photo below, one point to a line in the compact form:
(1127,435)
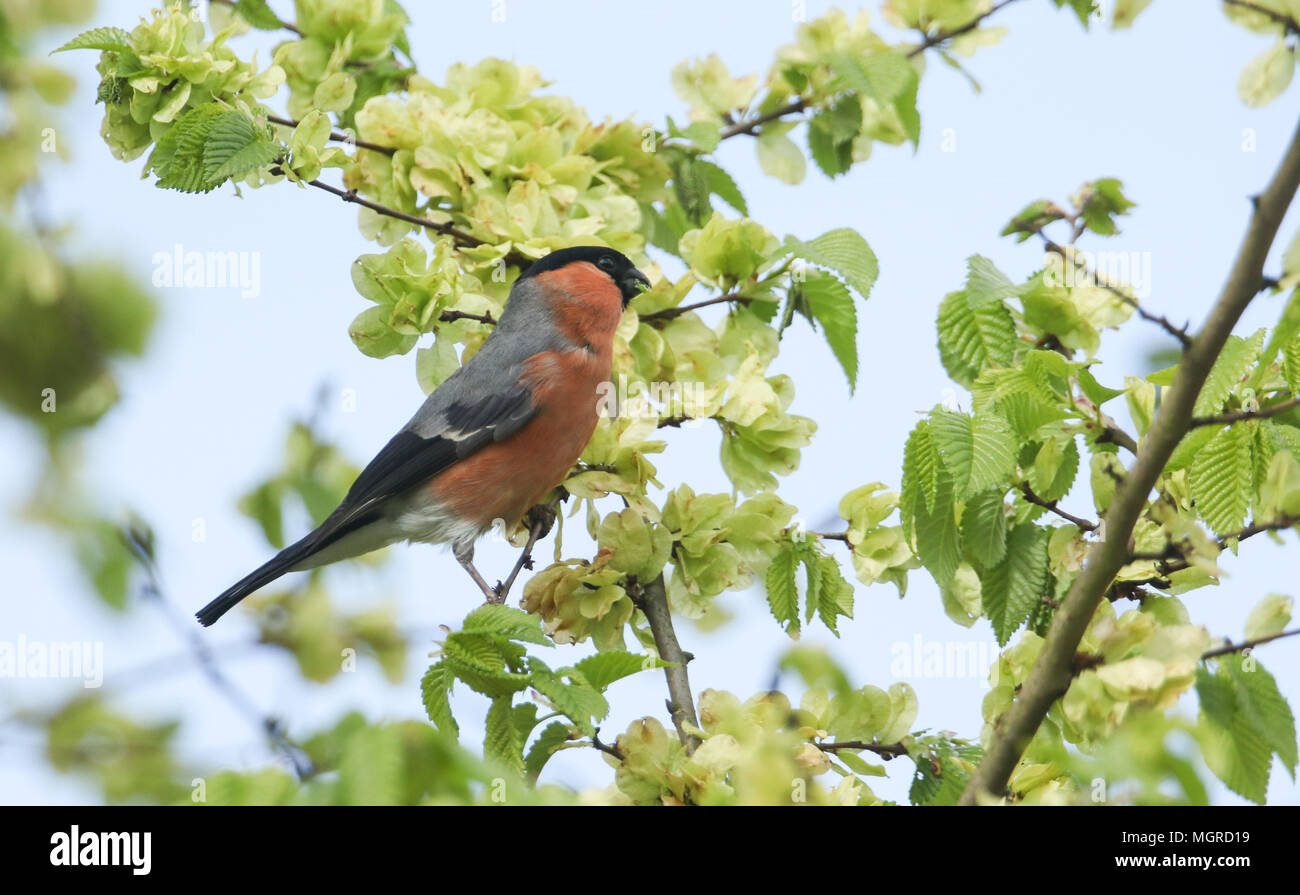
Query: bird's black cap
(618,266)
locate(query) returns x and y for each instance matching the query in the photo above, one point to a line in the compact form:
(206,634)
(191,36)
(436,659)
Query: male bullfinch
(492,440)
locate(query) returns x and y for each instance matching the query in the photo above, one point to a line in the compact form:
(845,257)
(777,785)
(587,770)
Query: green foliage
(1244,722)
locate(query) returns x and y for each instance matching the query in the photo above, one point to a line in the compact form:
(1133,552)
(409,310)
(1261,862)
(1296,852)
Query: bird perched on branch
(494,438)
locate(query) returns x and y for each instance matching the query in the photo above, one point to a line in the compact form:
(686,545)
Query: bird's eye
(605,262)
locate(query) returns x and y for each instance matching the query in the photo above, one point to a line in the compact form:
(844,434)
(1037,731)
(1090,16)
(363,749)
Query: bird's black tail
(282,562)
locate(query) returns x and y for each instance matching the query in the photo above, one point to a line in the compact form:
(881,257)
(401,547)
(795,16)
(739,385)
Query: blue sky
(204,417)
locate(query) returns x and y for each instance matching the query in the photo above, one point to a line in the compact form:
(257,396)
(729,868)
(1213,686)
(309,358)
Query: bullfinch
(495,437)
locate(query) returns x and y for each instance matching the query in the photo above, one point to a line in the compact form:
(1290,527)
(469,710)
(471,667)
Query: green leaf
(435,687)
(721,184)
(480,661)
(938,540)
(1013,588)
(978,451)
(779,157)
(1266,76)
(831,305)
(113,40)
(603,669)
(552,738)
(502,740)
(834,594)
(1082,8)
(258,14)
(984,527)
(1228,372)
(986,284)
(887,77)
(576,699)
(831,134)
(922,466)
(1221,478)
(235,146)
(1103,201)
(971,339)
(782,593)
(1097,393)
(843,251)
(515,624)
(1032,218)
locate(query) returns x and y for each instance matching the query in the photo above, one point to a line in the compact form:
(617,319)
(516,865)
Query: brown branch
(1231,647)
(1282,19)
(887,752)
(1239,415)
(1051,506)
(652,600)
(1178,332)
(452,316)
(462,238)
(336,136)
(605,747)
(288,26)
(943,36)
(795,106)
(1050,677)
(671,313)
(1171,559)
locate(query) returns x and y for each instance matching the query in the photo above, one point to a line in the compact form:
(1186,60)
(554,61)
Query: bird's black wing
(455,431)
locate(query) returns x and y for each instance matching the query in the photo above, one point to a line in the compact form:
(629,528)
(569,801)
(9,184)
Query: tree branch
(336,136)
(1178,332)
(1050,677)
(151,588)
(453,316)
(1051,505)
(652,600)
(1231,647)
(795,106)
(943,36)
(1286,21)
(1171,561)
(671,313)
(1239,415)
(885,751)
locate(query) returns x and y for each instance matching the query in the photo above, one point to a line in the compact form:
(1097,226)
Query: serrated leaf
(721,184)
(984,527)
(1012,589)
(107,38)
(552,738)
(832,306)
(843,251)
(1221,476)
(603,669)
(922,466)
(576,699)
(779,157)
(972,339)
(515,624)
(834,594)
(234,146)
(501,739)
(938,540)
(1228,372)
(978,451)
(435,687)
(258,14)
(782,593)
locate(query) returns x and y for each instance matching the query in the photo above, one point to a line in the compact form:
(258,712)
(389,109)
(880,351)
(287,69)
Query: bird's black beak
(633,284)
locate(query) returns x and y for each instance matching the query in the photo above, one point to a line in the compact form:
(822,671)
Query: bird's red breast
(502,480)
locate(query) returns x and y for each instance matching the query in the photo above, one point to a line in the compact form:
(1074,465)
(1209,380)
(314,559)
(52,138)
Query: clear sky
(204,417)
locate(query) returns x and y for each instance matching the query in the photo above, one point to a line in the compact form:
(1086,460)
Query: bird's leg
(540,518)
(465,556)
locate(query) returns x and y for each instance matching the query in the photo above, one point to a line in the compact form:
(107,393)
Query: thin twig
(652,600)
(1052,507)
(1171,559)
(605,747)
(462,238)
(1239,415)
(1231,647)
(944,36)
(1049,678)
(452,316)
(207,660)
(670,313)
(885,751)
(1282,19)
(336,136)
(1178,332)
